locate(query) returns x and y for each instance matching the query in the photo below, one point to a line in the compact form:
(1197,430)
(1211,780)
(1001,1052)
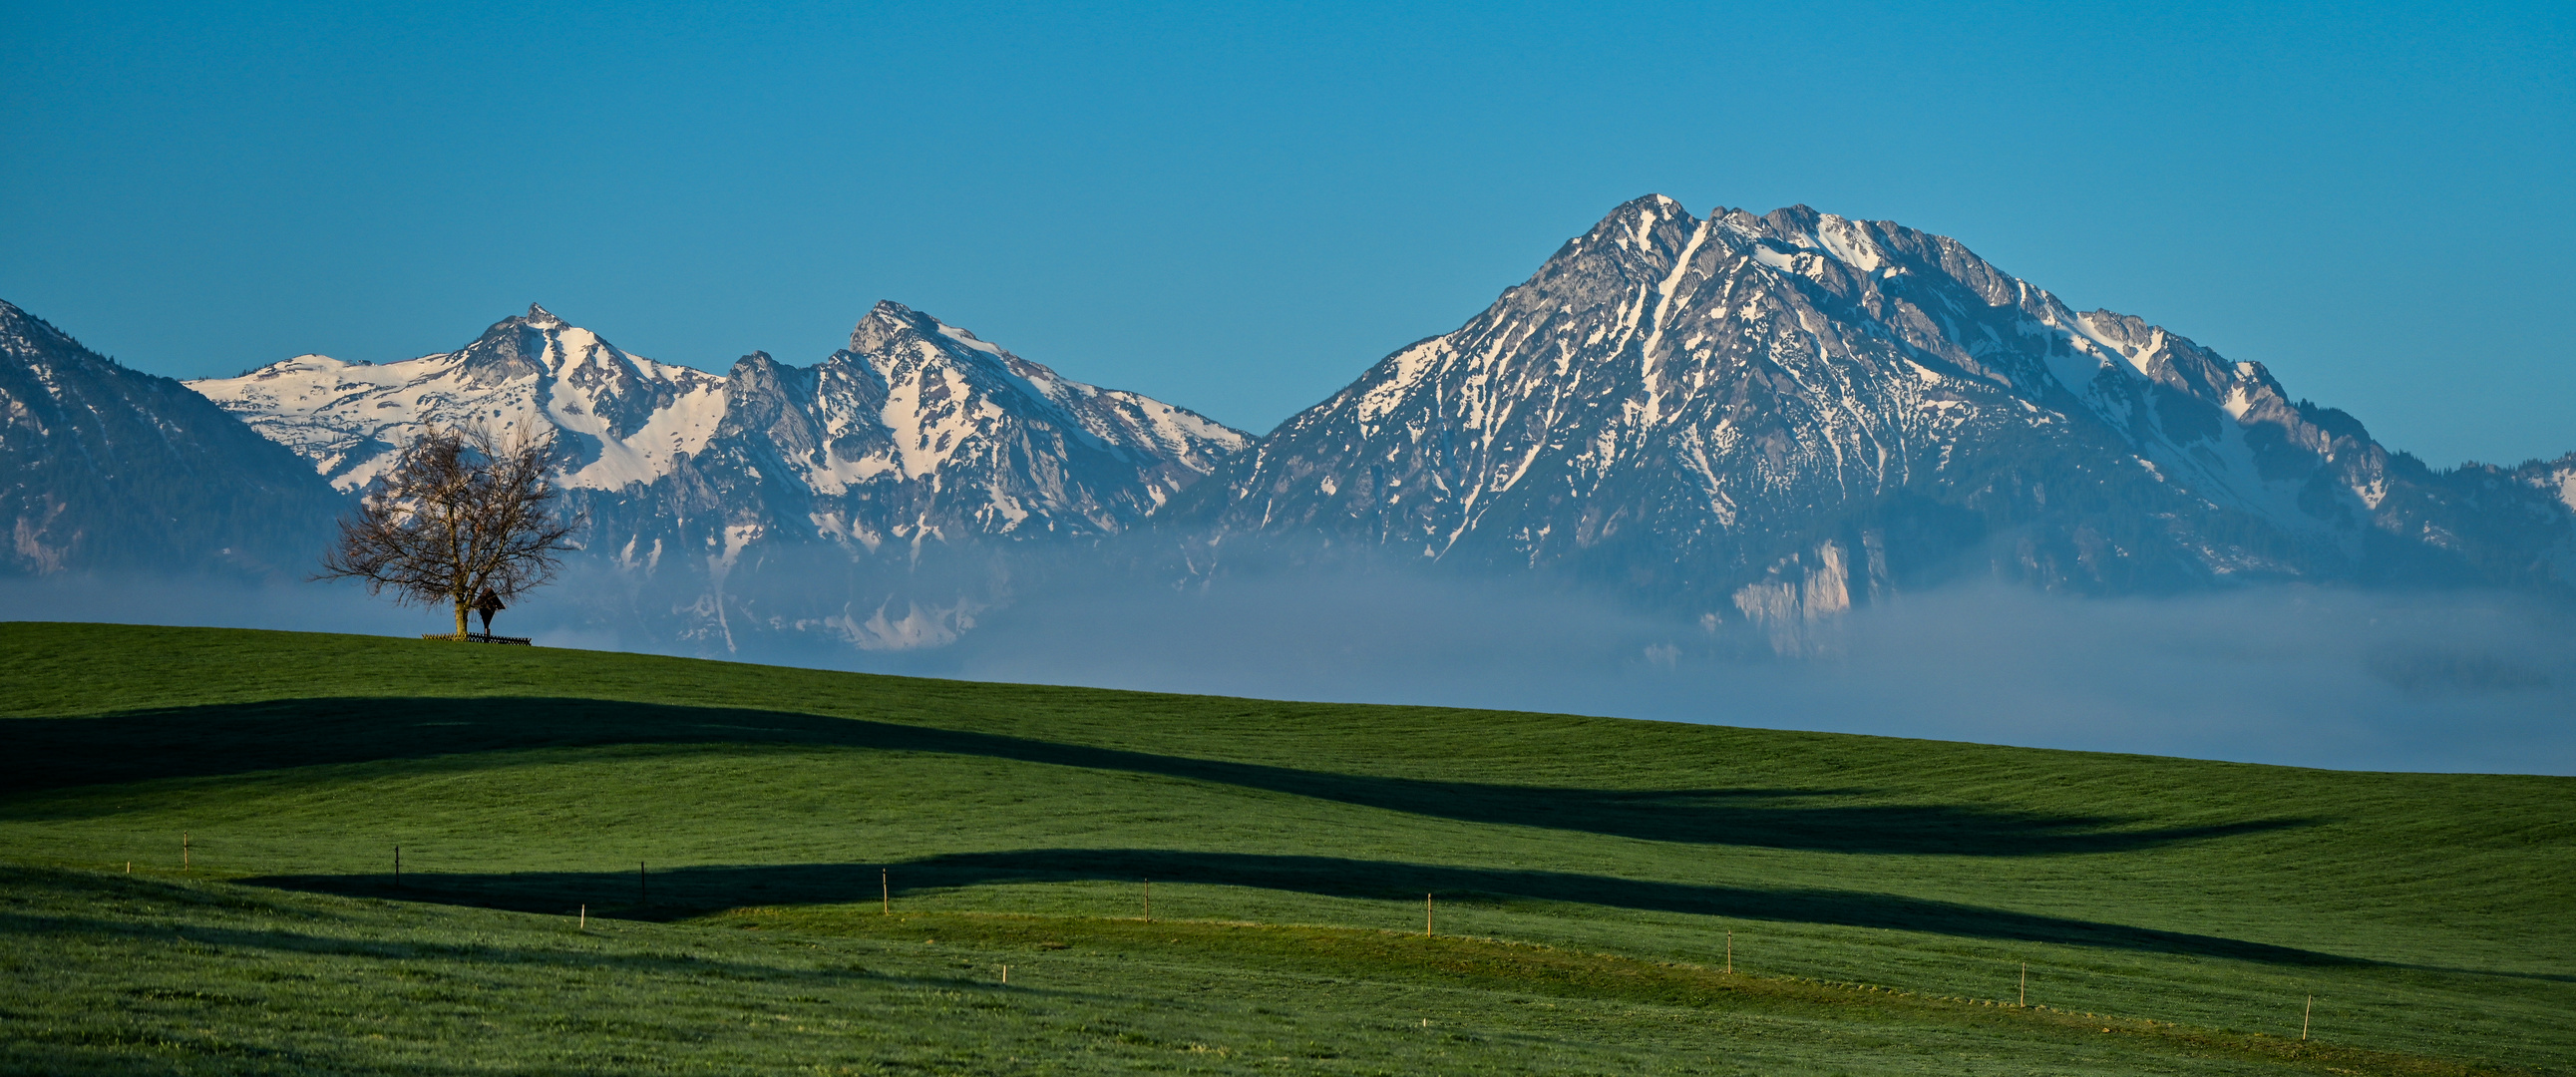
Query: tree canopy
(461,511)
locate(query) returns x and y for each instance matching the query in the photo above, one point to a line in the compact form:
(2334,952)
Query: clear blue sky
(1239,210)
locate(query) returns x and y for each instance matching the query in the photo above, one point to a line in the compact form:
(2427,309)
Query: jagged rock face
(916,429)
(912,448)
(919,431)
(770,494)
(1775,415)
(111,469)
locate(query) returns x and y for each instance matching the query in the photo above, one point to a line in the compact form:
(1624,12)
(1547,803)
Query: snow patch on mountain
(629,418)
(2558,477)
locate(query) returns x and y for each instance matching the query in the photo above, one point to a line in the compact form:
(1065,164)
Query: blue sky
(1238,209)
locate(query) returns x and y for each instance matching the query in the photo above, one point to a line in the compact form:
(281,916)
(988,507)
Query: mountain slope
(1786,414)
(918,431)
(111,469)
(623,418)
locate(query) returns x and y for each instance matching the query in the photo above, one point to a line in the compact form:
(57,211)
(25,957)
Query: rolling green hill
(835,867)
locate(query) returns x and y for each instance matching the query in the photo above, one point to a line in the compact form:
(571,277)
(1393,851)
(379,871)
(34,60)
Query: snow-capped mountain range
(1769,418)
(969,432)
(918,433)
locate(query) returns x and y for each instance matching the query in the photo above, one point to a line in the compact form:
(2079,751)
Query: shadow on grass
(59,753)
(683,892)
(313,944)
(44,896)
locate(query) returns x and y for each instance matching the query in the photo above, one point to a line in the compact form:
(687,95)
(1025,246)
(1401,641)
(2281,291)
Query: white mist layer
(2452,681)
(2473,682)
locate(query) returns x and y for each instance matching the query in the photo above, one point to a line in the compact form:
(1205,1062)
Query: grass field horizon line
(1250,699)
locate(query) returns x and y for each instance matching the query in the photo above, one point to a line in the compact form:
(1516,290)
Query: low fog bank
(2449,681)
(2303,676)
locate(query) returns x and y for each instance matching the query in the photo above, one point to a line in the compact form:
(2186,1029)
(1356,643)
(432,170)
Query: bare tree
(460,512)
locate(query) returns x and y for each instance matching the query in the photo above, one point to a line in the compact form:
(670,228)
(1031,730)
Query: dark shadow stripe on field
(59,753)
(681,892)
(297,942)
(152,905)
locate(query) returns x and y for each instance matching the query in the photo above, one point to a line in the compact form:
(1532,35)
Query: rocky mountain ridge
(914,445)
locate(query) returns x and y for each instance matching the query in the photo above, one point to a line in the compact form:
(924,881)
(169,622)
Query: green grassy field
(1881,897)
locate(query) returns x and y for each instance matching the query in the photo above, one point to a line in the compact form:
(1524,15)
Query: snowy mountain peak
(1652,229)
(1688,404)
(885,318)
(943,384)
(620,418)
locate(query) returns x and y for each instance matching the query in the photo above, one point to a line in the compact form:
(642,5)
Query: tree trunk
(460,618)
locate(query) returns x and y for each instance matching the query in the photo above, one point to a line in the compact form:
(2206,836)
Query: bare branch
(461,511)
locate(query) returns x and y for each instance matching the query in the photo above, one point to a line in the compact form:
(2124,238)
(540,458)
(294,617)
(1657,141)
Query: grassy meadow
(626,863)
